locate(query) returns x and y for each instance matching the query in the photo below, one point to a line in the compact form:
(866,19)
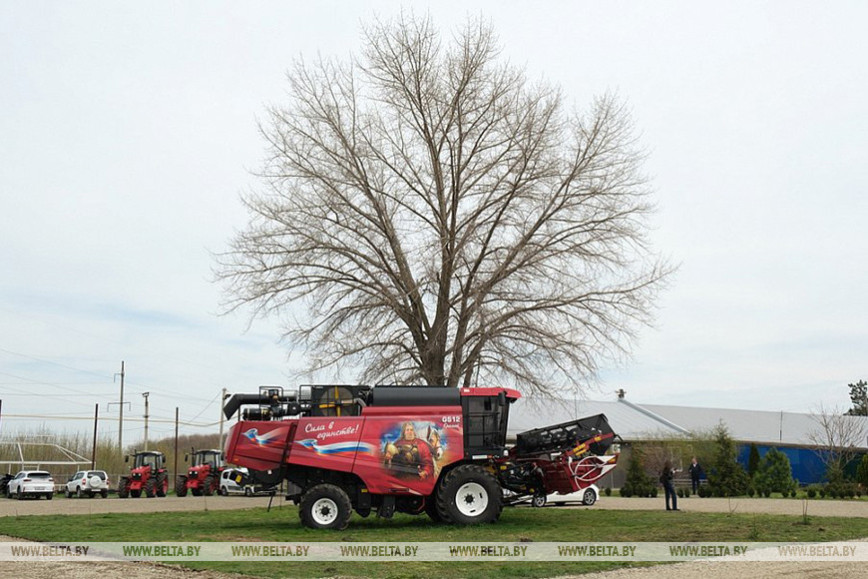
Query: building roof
(653,421)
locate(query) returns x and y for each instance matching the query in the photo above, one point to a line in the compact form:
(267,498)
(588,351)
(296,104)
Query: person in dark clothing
(695,473)
(666,476)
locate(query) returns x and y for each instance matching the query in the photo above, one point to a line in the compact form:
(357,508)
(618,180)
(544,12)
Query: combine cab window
(485,420)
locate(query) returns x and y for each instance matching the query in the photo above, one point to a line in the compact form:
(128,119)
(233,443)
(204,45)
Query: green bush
(607,491)
(726,476)
(812,492)
(775,474)
(637,482)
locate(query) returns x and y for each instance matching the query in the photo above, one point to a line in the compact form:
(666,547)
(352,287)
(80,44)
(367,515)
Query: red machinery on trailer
(411,449)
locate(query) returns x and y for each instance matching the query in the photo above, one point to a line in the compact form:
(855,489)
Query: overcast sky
(129,130)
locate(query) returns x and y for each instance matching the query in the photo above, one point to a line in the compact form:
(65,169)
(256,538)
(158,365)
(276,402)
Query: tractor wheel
(468,495)
(151,488)
(162,485)
(208,486)
(589,497)
(325,506)
(123,488)
(181,486)
(539,500)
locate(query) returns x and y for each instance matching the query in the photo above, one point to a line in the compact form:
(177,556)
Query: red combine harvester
(411,449)
(203,477)
(148,474)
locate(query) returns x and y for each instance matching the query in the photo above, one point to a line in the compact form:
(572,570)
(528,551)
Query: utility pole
(145,396)
(176,443)
(222,400)
(121,414)
(95,420)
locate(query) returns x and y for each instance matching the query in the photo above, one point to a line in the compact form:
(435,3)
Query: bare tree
(839,438)
(431,215)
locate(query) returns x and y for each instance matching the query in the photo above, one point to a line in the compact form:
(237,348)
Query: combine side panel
(409,446)
(328,442)
(259,445)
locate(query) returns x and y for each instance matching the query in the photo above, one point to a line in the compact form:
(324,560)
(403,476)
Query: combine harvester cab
(148,474)
(203,476)
(411,449)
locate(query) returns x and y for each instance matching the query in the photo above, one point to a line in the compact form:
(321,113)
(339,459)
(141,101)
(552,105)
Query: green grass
(520,524)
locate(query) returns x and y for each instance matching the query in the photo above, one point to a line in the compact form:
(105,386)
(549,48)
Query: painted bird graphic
(264,440)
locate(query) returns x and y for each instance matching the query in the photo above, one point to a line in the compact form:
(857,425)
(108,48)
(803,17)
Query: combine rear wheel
(325,506)
(468,495)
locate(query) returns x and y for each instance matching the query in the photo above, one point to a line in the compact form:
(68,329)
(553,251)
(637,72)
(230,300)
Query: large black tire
(162,485)
(208,486)
(135,493)
(469,495)
(151,488)
(104,493)
(181,486)
(325,506)
(123,488)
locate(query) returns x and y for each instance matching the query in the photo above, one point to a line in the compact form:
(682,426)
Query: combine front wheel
(325,506)
(469,495)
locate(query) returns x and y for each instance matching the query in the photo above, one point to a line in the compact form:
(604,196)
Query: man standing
(695,471)
(666,476)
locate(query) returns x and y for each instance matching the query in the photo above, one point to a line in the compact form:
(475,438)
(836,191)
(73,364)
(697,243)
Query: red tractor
(411,449)
(203,477)
(148,474)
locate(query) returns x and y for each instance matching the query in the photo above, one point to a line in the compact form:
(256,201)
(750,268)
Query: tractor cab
(150,459)
(211,458)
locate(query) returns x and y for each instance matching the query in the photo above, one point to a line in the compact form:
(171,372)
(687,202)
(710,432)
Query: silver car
(33,483)
(88,483)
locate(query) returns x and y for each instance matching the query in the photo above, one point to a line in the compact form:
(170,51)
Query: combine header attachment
(411,449)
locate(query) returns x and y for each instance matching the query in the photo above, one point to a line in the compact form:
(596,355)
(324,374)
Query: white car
(88,483)
(35,483)
(237,481)
(230,481)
